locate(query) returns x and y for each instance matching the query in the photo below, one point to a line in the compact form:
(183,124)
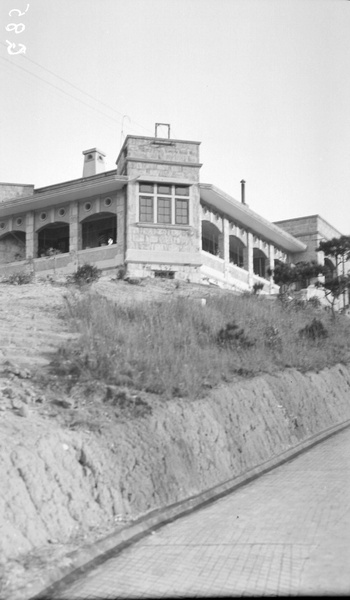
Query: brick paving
(287,533)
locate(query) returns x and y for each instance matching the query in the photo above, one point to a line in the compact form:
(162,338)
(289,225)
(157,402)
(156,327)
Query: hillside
(82,456)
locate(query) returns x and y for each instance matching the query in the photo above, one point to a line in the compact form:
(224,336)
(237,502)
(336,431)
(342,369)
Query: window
(181,190)
(210,238)
(146,209)
(164,210)
(164,189)
(181,211)
(259,263)
(164,203)
(236,251)
(146,188)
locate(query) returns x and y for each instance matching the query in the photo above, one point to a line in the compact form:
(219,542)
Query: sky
(264,85)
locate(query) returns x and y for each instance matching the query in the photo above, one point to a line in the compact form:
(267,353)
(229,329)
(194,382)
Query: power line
(104,120)
(80,90)
(67,93)
(60,90)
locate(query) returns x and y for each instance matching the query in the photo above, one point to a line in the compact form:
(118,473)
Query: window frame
(178,216)
(178,202)
(142,208)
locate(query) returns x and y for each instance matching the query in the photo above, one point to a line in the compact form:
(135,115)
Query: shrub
(133,280)
(232,336)
(121,272)
(85,274)
(314,331)
(257,287)
(272,337)
(314,301)
(21,278)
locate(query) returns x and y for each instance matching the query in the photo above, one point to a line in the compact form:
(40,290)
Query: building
(152,216)
(312,230)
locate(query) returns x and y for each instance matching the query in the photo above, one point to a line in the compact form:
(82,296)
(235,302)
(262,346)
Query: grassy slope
(174,346)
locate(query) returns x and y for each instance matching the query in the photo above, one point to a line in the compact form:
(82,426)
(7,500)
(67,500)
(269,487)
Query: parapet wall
(8,191)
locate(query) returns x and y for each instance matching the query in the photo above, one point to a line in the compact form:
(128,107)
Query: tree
(339,250)
(286,275)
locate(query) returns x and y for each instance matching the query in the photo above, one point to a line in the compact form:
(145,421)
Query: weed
(314,331)
(257,287)
(231,336)
(21,278)
(133,280)
(175,348)
(315,302)
(84,274)
(121,272)
(272,337)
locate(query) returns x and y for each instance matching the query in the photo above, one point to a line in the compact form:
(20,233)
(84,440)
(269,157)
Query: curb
(85,559)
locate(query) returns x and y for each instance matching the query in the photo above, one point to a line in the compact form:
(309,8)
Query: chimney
(94,162)
(243,191)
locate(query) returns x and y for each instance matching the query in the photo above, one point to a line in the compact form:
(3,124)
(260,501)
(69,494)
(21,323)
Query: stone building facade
(151,215)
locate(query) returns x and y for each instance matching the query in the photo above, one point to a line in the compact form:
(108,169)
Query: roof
(318,219)
(243,215)
(77,189)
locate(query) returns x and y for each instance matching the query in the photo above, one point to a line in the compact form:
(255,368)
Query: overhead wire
(103,120)
(82,91)
(70,95)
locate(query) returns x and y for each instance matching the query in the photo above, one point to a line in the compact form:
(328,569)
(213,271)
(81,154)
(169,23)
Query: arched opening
(12,247)
(210,238)
(259,263)
(99,230)
(236,251)
(329,270)
(52,239)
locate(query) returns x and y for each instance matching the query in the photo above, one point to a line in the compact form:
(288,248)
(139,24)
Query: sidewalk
(285,533)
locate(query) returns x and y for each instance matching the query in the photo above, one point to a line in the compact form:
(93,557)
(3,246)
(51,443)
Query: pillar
(74,241)
(271,265)
(224,244)
(248,258)
(31,237)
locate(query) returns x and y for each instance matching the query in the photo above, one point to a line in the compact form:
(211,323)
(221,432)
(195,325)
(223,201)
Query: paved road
(285,533)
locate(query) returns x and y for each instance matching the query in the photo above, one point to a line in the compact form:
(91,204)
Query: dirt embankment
(60,484)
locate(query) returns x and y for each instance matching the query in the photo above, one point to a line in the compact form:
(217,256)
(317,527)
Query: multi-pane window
(164,203)
(181,211)
(163,210)
(146,209)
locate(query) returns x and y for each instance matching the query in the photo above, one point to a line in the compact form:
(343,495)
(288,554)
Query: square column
(31,237)
(224,244)
(74,241)
(271,265)
(248,264)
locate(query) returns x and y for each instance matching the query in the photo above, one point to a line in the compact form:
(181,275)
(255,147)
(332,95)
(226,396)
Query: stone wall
(8,191)
(149,156)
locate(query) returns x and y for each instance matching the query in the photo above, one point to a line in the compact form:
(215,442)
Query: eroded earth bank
(67,481)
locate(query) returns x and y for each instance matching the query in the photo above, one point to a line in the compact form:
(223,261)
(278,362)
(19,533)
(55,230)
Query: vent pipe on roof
(243,191)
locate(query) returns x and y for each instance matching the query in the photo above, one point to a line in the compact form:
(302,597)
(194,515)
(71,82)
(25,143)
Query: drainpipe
(243,191)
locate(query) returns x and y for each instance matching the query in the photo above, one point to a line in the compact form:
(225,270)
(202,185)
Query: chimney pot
(94,162)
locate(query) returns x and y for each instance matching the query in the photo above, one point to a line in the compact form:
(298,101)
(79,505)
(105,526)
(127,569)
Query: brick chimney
(94,162)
